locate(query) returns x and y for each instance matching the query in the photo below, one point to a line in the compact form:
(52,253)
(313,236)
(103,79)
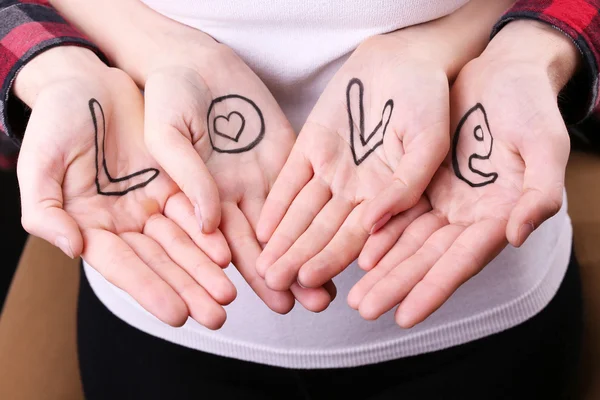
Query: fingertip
(368,312)
(317,302)
(407,315)
(283,304)
(308,277)
(512,234)
(353,298)
(524,232)
(365,261)
(77,244)
(209,218)
(405,320)
(212,318)
(64,245)
(262,264)
(224,293)
(276,281)
(263,232)
(56,227)
(173,313)
(220,254)
(380,223)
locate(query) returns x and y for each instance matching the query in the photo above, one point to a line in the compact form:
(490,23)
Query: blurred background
(11,233)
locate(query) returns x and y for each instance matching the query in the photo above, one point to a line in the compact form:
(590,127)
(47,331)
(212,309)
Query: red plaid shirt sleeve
(27,28)
(579,20)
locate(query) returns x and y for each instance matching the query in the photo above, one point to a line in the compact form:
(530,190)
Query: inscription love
(234,131)
(361,145)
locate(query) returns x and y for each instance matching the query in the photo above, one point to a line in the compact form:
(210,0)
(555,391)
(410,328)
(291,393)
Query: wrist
(454,40)
(538,45)
(133,36)
(55,65)
(177,46)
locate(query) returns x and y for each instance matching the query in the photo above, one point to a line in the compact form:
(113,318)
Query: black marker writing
(235,124)
(145,176)
(474,125)
(360,145)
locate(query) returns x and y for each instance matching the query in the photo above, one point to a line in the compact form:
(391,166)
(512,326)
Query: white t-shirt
(295,47)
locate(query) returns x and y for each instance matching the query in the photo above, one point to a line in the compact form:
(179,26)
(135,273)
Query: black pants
(535,360)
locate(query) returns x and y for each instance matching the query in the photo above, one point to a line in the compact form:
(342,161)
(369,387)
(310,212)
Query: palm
(97,203)
(242,139)
(362,136)
(487,187)
(133,219)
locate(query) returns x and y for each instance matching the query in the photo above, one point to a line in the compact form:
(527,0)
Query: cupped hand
(89,186)
(216,129)
(503,177)
(382,120)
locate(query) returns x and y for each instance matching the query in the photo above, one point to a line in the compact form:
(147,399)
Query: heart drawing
(231,126)
(243,128)
(361,145)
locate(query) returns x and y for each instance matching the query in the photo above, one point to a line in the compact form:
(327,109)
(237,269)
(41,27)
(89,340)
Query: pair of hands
(148,221)
(423,185)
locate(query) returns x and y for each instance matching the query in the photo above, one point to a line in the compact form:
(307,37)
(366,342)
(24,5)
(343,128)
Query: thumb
(40,177)
(545,153)
(168,137)
(178,157)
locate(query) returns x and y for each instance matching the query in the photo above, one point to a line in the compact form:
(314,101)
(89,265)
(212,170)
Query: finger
(184,252)
(543,185)
(245,249)
(179,210)
(392,289)
(424,153)
(41,173)
(338,254)
(120,265)
(301,213)
(315,300)
(178,157)
(471,251)
(295,174)
(251,207)
(202,307)
(411,240)
(284,272)
(380,242)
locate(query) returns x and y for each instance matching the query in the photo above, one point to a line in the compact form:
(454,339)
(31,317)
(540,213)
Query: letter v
(363,147)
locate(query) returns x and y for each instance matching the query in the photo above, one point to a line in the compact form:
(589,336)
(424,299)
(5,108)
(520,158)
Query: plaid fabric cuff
(580,20)
(27,28)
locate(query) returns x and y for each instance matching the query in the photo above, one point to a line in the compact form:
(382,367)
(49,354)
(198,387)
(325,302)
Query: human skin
(509,94)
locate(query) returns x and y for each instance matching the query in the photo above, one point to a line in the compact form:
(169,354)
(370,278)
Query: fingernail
(524,232)
(300,284)
(379,224)
(198,216)
(64,244)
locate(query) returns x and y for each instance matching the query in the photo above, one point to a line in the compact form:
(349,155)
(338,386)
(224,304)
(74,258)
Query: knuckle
(179,240)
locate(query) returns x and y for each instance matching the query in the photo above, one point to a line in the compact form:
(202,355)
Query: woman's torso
(295,47)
